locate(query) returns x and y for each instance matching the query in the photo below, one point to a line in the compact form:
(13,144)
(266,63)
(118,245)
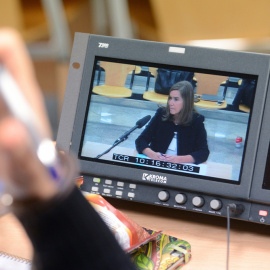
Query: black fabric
(191,139)
(245,93)
(71,236)
(166,78)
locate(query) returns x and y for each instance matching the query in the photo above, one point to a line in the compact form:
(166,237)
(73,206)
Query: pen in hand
(18,107)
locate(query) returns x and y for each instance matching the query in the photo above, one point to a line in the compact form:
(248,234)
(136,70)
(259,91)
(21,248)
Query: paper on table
(10,262)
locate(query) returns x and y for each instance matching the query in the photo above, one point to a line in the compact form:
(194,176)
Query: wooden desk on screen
(249,246)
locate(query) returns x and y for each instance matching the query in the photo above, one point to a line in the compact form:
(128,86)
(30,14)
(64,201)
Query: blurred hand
(20,169)
(24,176)
(15,57)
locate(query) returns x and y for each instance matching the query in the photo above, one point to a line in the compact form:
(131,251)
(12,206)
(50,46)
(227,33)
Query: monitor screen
(130,118)
(165,116)
(171,125)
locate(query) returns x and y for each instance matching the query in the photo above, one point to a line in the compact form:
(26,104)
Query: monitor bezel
(258,193)
(113,102)
(87,47)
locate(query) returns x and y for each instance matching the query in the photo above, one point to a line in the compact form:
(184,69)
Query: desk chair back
(152,95)
(115,78)
(209,85)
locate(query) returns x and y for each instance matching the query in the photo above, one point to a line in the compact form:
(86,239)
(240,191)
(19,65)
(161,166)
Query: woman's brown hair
(184,117)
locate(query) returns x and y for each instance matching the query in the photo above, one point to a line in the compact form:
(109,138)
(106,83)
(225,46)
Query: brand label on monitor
(103,45)
(154,178)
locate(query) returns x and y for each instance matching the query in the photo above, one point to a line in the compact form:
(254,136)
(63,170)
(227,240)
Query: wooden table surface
(249,245)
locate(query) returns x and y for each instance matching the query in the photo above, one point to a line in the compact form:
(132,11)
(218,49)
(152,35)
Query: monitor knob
(198,201)
(164,195)
(180,198)
(216,204)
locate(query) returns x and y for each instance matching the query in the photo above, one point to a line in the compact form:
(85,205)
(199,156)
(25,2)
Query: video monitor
(107,118)
(123,123)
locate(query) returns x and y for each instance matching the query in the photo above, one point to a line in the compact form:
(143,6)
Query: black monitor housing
(91,123)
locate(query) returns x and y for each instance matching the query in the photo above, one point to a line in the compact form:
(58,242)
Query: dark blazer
(191,139)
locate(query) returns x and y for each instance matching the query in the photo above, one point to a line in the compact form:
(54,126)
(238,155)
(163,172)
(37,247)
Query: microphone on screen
(139,124)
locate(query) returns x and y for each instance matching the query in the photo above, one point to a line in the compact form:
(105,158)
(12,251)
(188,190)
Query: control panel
(178,199)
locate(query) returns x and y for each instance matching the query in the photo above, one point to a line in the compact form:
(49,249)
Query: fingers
(168,157)
(21,170)
(157,156)
(15,57)
(160,156)
(171,158)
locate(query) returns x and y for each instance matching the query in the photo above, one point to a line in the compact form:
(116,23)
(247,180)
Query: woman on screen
(176,133)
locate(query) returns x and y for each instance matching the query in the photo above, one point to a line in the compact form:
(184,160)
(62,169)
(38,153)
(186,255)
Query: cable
(228,237)
(236,209)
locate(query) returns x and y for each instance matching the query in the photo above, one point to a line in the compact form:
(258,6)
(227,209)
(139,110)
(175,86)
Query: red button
(263,213)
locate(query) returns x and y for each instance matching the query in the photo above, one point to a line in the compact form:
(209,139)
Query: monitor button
(107,191)
(132,186)
(108,182)
(198,201)
(216,204)
(131,195)
(119,193)
(96,180)
(180,198)
(120,184)
(95,189)
(164,195)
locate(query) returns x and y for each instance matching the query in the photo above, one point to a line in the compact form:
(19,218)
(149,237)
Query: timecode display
(157,163)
